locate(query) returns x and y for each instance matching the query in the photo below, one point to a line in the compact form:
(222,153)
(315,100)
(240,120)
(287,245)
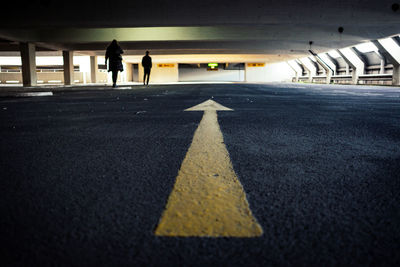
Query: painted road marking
(207,199)
(35,94)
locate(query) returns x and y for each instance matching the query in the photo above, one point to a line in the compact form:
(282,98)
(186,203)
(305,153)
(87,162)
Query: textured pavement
(85,175)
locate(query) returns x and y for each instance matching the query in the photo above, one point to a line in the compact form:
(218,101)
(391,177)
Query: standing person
(113,53)
(146,64)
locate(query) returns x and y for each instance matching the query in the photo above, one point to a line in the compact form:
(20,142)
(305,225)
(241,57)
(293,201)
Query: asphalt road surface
(86,175)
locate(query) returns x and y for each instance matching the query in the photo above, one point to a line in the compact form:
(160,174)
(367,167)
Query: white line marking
(36,94)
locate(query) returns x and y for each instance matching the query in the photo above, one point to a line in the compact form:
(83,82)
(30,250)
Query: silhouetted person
(146,63)
(113,53)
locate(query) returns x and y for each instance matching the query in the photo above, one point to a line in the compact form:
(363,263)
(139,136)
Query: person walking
(113,55)
(146,64)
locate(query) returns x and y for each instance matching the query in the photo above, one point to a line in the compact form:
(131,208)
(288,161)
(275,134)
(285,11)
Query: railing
(342,79)
(51,77)
(301,78)
(375,79)
(347,79)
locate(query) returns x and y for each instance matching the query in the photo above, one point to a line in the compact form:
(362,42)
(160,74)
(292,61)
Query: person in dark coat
(113,54)
(146,63)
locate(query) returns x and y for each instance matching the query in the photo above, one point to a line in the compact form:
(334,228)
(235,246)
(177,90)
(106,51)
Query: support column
(310,67)
(28,58)
(296,68)
(304,70)
(391,50)
(396,75)
(331,62)
(383,62)
(94,69)
(325,66)
(129,72)
(315,64)
(354,61)
(68,67)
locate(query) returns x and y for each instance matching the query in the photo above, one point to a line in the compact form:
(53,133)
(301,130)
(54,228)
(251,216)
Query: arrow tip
(208,105)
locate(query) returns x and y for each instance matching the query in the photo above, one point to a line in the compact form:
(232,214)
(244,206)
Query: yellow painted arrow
(207,199)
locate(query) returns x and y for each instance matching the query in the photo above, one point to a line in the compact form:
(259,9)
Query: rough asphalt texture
(85,176)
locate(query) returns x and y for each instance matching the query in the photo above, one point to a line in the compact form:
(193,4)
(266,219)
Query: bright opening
(334,54)
(366,47)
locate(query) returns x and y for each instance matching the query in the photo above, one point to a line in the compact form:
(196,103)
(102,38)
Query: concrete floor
(85,175)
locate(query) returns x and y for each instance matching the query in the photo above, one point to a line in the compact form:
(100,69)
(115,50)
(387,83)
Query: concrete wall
(161,74)
(52,77)
(102,77)
(268,73)
(255,74)
(10,77)
(129,72)
(279,72)
(201,74)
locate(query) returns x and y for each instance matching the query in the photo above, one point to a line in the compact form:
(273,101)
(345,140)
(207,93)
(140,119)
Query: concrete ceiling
(281,29)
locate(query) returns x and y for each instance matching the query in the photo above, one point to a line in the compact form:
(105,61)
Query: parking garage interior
(269,134)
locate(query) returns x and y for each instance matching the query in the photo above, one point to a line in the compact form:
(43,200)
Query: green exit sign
(213,65)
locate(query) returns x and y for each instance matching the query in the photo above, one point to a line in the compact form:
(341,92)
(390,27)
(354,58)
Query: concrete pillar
(296,68)
(28,58)
(382,67)
(129,72)
(331,62)
(351,58)
(315,64)
(310,67)
(391,50)
(383,62)
(94,69)
(68,57)
(396,75)
(326,67)
(304,70)
(122,75)
(360,56)
(347,69)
